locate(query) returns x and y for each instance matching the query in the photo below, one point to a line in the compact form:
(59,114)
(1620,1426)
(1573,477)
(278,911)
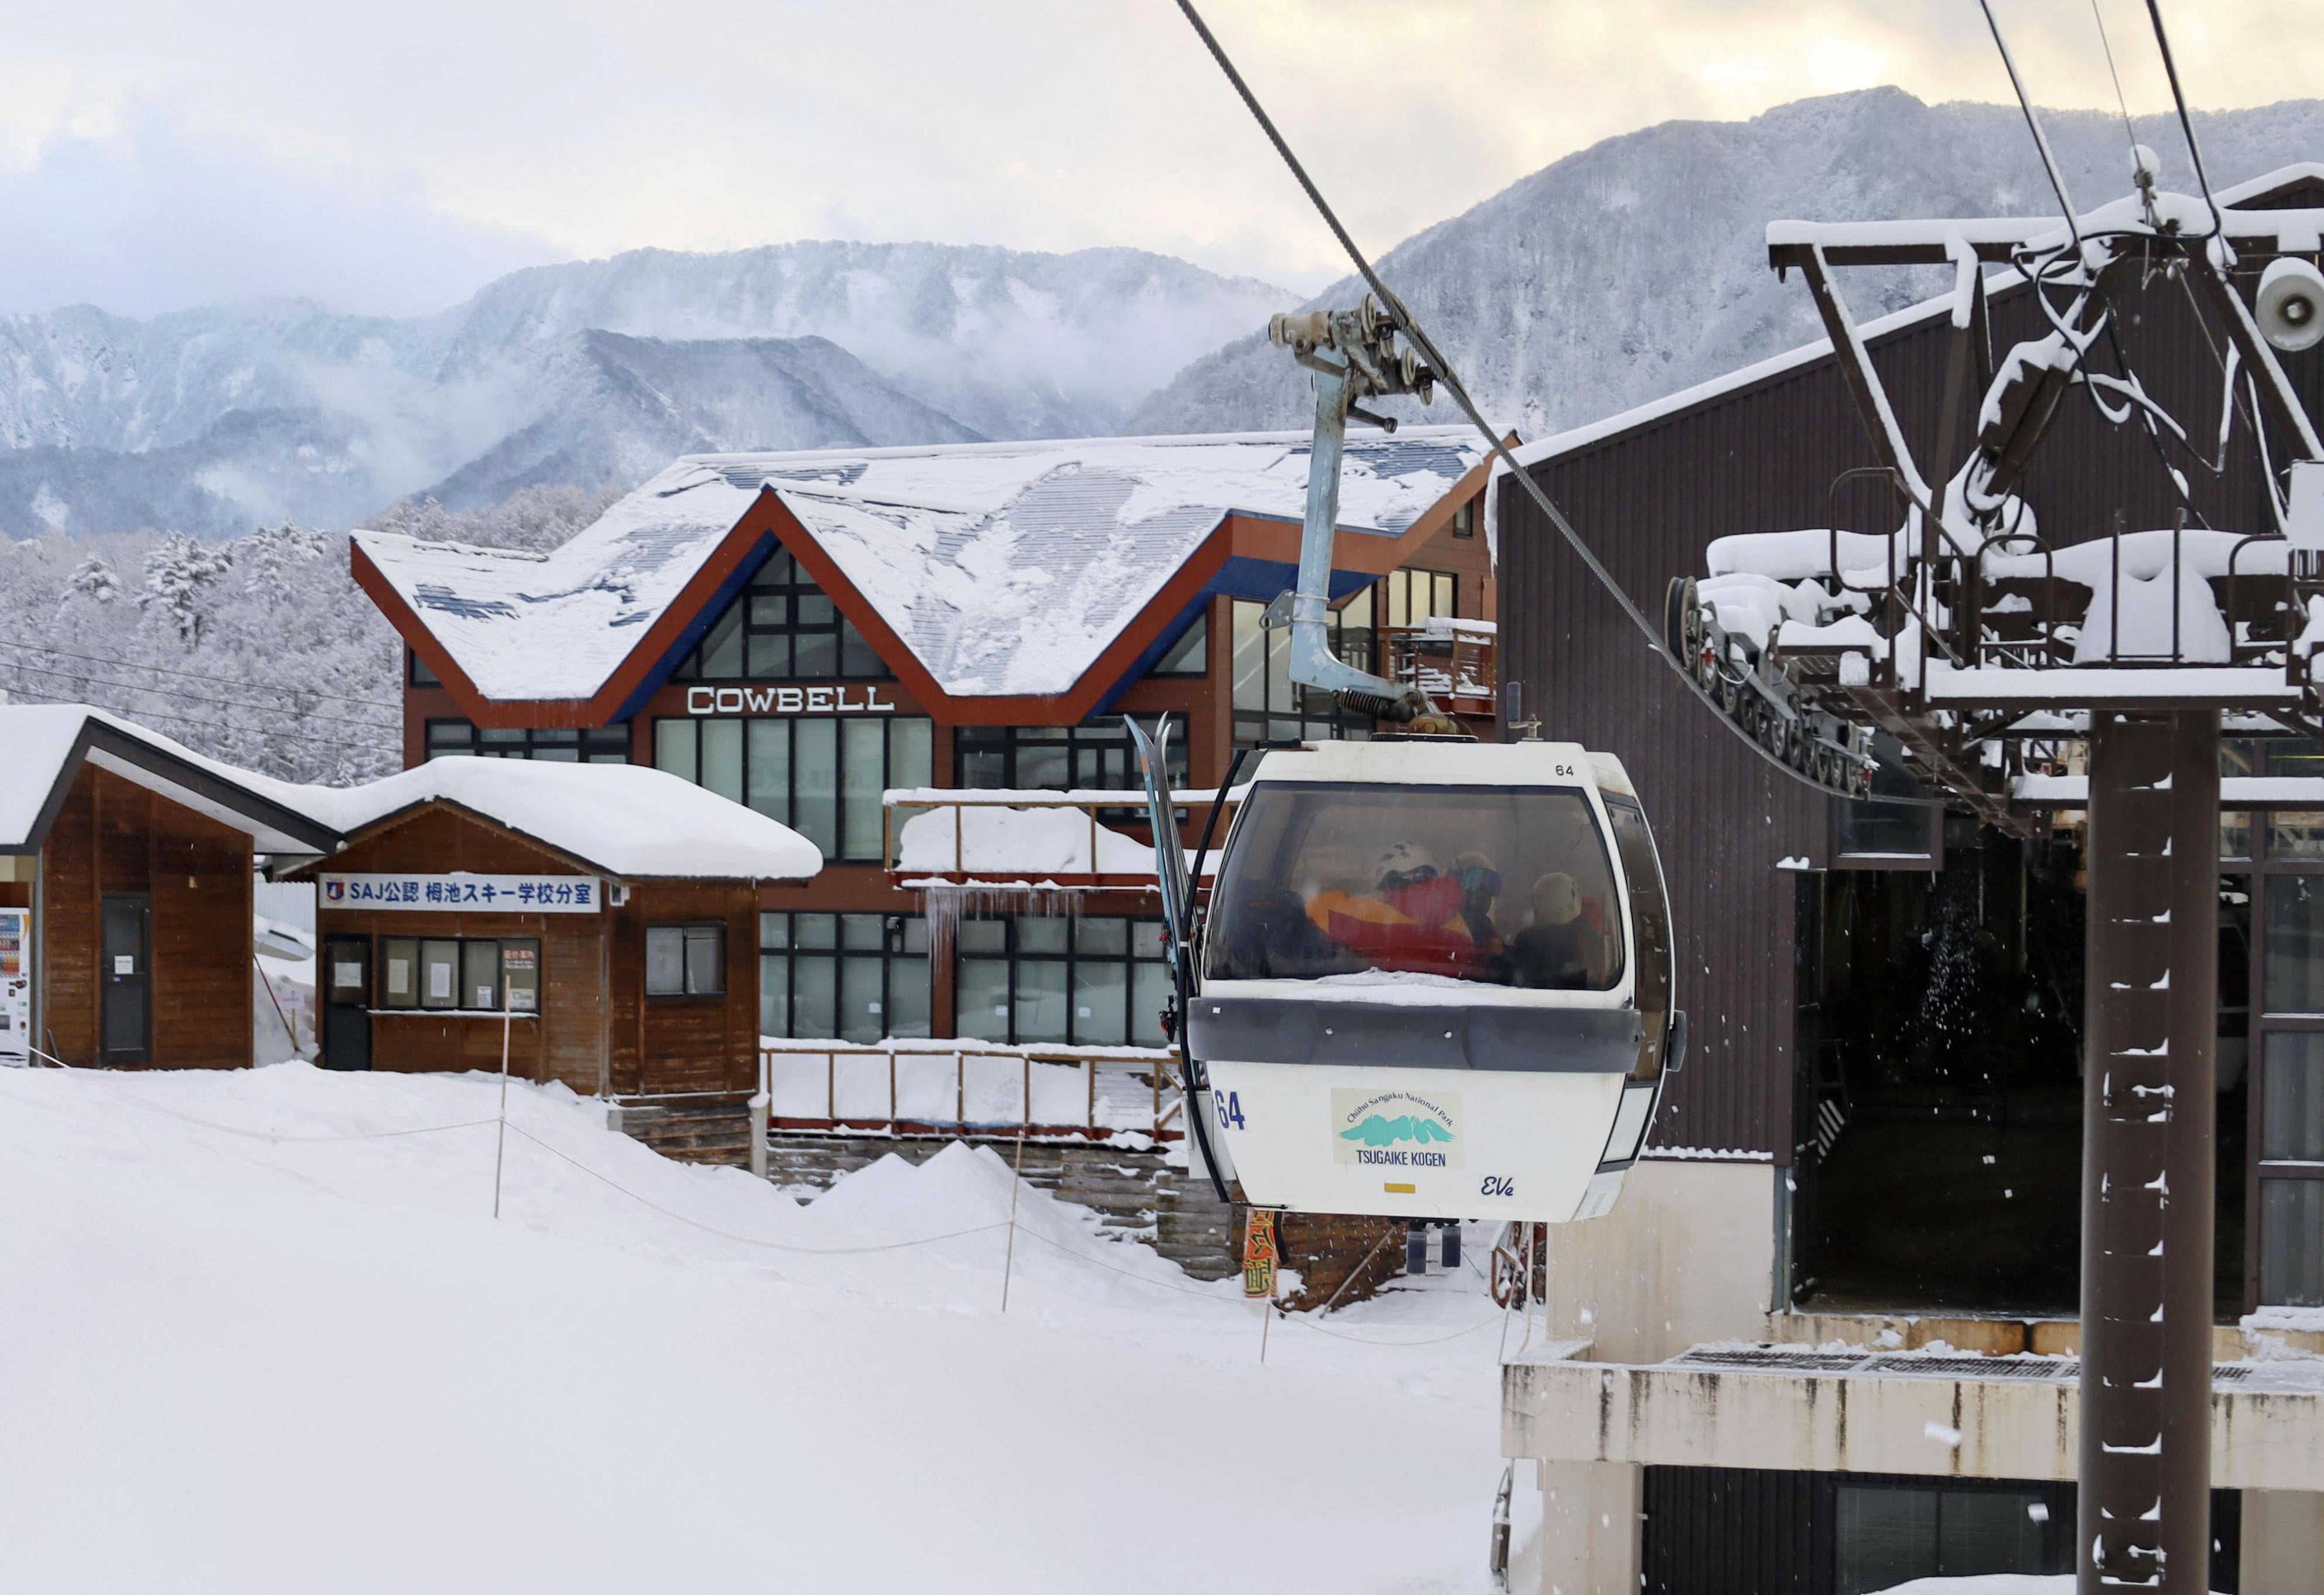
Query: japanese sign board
(1260,1254)
(465,893)
(16,986)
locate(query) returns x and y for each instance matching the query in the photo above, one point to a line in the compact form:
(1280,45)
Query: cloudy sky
(158,154)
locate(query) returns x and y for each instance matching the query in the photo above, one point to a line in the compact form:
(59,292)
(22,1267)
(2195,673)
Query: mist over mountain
(1638,266)
(212,421)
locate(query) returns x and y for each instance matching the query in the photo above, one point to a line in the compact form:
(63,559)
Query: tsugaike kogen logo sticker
(1395,1129)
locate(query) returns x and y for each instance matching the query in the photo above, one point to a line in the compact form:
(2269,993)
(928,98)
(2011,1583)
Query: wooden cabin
(601,922)
(125,871)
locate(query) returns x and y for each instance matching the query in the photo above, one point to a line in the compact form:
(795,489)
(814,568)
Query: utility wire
(2041,139)
(2107,45)
(215,725)
(172,692)
(1421,341)
(190,675)
(2186,123)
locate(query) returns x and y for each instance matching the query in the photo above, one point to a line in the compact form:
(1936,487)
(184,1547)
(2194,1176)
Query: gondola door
(346,1002)
(126,1031)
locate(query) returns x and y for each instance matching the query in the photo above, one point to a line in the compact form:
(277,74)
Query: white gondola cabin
(1434,981)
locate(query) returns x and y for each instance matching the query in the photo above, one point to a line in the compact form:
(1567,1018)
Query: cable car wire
(2041,139)
(2106,44)
(1421,341)
(172,692)
(2186,123)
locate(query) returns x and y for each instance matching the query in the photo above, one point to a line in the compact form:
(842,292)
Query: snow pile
(629,819)
(986,839)
(317,1362)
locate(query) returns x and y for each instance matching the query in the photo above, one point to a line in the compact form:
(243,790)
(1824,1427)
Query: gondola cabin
(1434,981)
(601,921)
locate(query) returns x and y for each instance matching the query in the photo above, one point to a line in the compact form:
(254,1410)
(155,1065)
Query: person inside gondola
(1415,921)
(1560,950)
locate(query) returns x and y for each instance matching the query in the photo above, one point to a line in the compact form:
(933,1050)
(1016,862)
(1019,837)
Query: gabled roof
(995,579)
(48,743)
(631,822)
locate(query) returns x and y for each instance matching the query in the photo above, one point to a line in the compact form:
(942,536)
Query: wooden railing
(970,1088)
(1444,658)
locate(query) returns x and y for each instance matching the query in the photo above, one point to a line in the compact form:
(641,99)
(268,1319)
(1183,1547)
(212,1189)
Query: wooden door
(346,1002)
(125,979)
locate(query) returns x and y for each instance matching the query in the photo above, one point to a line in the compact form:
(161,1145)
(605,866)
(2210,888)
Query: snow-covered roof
(46,744)
(555,625)
(631,821)
(1004,567)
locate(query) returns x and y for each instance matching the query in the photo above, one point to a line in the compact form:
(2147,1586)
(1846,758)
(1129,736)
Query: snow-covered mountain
(1638,266)
(215,418)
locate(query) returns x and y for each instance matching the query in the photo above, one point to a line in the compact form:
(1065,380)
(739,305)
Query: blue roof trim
(699,626)
(1241,577)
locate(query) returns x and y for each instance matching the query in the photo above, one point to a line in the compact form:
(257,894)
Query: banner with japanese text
(505,894)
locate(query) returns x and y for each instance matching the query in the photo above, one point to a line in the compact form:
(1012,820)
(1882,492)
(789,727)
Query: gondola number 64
(1230,1106)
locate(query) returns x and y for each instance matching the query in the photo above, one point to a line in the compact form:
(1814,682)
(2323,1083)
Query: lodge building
(1876,1146)
(815,635)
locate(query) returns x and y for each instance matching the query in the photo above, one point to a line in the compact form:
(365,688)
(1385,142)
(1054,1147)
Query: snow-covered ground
(253,1337)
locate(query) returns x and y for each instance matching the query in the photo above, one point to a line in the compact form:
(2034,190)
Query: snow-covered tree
(93,579)
(179,574)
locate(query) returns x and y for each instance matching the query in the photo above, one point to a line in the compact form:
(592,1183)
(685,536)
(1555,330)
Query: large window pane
(770,652)
(982,999)
(911,760)
(862,768)
(2291,1243)
(815,654)
(722,650)
(815,808)
(2292,1110)
(398,973)
(2293,967)
(705,960)
(480,974)
(2295,834)
(908,996)
(1986,1531)
(674,748)
(440,974)
(722,757)
(1885,1537)
(862,1012)
(815,998)
(1250,657)
(774,994)
(856,656)
(1101,1002)
(665,961)
(769,787)
(1149,995)
(1884,830)
(1040,999)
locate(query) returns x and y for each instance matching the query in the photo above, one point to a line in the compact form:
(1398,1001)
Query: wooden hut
(125,871)
(601,921)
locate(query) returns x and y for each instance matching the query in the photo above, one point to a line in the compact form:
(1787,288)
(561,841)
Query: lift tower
(1999,657)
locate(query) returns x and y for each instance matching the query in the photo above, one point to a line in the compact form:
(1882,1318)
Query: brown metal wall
(1761,458)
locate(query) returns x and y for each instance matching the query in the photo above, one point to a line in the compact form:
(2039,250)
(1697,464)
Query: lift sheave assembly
(1433,978)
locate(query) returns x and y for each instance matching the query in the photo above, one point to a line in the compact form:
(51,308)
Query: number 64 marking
(1230,1109)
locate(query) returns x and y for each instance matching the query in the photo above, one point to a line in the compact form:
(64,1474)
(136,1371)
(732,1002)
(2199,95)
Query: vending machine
(16,987)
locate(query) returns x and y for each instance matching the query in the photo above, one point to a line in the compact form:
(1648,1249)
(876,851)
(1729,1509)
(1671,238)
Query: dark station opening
(1937,1154)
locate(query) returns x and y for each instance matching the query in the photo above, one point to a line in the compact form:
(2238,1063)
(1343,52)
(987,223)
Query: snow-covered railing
(1030,840)
(971,1088)
(1444,658)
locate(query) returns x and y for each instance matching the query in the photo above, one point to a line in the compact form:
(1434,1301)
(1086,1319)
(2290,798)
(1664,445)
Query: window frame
(1094,738)
(689,768)
(592,745)
(1255,655)
(464,947)
(1191,649)
(686,932)
(1075,957)
(778,938)
(782,586)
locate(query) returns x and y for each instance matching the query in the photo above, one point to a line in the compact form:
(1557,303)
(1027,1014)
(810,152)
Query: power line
(2107,45)
(189,675)
(172,692)
(2186,123)
(2041,139)
(217,726)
